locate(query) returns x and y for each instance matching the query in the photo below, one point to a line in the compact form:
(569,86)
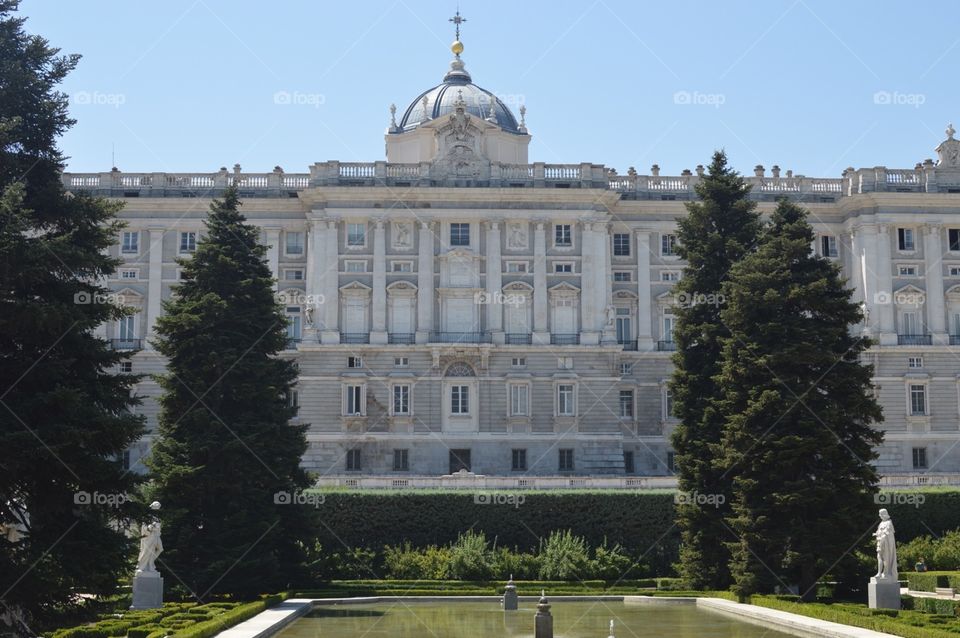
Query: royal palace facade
(459,307)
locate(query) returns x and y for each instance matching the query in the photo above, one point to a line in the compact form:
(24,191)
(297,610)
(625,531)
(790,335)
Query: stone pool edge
(272,620)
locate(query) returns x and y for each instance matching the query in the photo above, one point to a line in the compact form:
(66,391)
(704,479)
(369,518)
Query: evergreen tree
(799,439)
(226,447)
(717,231)
(65,411)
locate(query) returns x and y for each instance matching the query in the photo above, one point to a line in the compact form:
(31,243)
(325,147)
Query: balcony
(459,337)
(666,346)
(518,339)
(292,343)
(916,340)
(402,338)
(628,345)
(126,344)
(355,337)
(565,339)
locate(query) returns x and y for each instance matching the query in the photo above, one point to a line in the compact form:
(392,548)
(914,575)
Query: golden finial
(457,46)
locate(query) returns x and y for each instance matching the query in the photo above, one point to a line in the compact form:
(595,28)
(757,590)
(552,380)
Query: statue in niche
(308,315)
(402,238)
(517,236)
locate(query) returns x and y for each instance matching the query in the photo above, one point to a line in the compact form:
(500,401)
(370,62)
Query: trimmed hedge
(229,618)
(929,581)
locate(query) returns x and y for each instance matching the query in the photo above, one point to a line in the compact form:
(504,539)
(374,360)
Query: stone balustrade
(922,178)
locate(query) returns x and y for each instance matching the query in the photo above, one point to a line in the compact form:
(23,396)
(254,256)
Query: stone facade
(452,310)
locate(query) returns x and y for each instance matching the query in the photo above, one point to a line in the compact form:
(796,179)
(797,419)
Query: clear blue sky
(189,85)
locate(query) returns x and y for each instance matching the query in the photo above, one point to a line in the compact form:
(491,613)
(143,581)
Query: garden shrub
(564,557)
(406,562)
(471,558)
(508,563)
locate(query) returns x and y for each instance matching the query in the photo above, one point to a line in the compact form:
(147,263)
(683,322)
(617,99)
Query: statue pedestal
(883,593)
(147,590)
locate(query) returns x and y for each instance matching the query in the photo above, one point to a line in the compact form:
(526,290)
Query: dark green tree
(799,438)
(226,447)
(65,411)
(717,231)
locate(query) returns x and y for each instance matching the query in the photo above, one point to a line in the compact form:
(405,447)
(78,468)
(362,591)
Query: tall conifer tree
(718,230)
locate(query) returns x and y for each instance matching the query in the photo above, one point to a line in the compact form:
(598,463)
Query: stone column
(884,300)
(272,235)
(933,268)
(379,302)
(644,309)
(862,294)
(154,281)
(589,276)
(541,331)
(425,283)
(605,289)
(494,268)
(316,262)
(331,285)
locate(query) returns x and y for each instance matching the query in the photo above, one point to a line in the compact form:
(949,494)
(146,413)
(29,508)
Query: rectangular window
(907,271)
(919,458)
(566,460)
(565,363)
(622,275)
(126,366)
(565,400)
(130,242)
(518,362)
(294,323)
(910,325)
(401,362)
(354,405)
(564,267)
(667,404)
(668,322)
(918,400)
(294,243)
(518,460)
(828,246)
(954,271)
(401,266)
(188,242)
(953,234)
(668,245)
(401,460)
(626,404)
(129,274)
(459,234)
(915,362)
(626,368)
(293,400)
(905,239)
(355,266)
(621,244)
(562,235)
(460,399)
(356,235)
(672,461)
(354,362)
(401,399)
(519,399)
(353,460)
(669,275)
(629,467)
(516,266)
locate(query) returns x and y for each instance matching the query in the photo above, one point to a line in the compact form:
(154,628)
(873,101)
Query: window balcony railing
(666,346)
(518,339)
(460,337)
(405,338)
(914,340)
(565,339)
(126,344)
(628,344)
(355,337)
(292,343)
(955,340)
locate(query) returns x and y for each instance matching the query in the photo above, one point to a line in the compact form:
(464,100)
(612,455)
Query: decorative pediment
(909,295)
(129,297)
(355,288)
(402,288)
(460,253)
(668,298)
(953,293)
(564,288)
(521,287)
(290,296)
(624,295)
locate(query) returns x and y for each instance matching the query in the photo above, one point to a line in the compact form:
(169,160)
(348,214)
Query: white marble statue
(402,239)
(308,315)
(886,548)
(150,545)
(517,239)
(611,316)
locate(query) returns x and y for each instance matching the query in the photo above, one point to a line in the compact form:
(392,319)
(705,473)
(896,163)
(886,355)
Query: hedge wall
(640,521)
(643,522)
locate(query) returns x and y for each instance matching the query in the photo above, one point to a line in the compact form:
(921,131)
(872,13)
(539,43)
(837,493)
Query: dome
(457,85)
